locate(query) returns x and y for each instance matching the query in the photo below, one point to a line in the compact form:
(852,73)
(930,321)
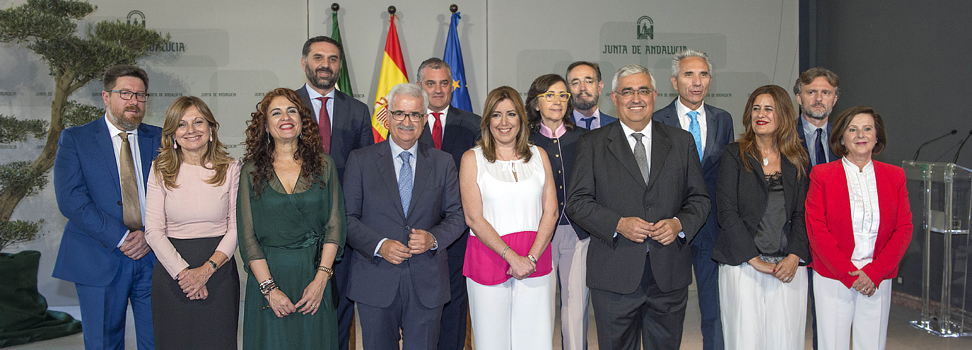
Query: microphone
(953,132)
(960,147)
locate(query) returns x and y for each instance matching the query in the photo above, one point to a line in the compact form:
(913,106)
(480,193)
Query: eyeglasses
(628,92)
(127,95)
(400,115)
(551,96)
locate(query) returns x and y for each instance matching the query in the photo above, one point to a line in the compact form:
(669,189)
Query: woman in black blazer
(551,128)
(762,247)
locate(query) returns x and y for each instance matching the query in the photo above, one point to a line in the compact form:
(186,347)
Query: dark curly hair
(260,146)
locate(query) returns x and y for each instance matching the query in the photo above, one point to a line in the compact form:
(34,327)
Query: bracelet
(267,286)
(504,252)
(534,260)
(213,264)
(328,270)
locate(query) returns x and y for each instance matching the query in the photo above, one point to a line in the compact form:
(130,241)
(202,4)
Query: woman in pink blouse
(190,223)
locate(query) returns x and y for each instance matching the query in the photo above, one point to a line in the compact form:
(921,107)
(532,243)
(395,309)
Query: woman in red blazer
(859,226)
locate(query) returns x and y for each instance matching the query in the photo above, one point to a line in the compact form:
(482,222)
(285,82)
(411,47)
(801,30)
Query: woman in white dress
(510,205)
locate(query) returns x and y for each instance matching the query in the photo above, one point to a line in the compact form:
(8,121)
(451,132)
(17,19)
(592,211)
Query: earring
(268,137)
(175,145)
(210,137)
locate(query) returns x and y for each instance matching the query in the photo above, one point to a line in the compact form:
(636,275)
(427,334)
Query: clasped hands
(784,270)
(637,230)
(420,241)
(863,284)
(310,300)
(193,281)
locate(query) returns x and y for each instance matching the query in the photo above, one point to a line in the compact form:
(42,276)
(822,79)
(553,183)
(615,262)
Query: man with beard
(585,83)
(345,125)
(455,131)
(711,127)
(816,91)
(100,172)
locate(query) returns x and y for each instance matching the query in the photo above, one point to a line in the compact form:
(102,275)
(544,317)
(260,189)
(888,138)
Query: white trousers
(759,311)
(570,266)
(842,311)
(513,315)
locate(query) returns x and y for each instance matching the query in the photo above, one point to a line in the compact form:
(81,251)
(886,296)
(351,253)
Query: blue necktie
(588,120)
(821,155)
(405,181)
(696,131)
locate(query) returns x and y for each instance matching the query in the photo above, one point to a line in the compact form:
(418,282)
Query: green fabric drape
(24,317)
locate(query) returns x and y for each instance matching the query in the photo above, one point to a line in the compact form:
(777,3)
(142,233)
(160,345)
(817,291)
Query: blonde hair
(170,159)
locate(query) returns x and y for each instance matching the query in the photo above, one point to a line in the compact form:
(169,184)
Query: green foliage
(18,231)
(14,130)
(79,114)
(17,177)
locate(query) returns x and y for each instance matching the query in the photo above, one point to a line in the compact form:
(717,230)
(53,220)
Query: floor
(900,334)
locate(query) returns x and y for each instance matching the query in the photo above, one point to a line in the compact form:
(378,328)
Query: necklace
(765,161)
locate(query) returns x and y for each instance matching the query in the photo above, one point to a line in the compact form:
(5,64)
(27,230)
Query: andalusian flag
(453,56)
(392,73)
(344,81)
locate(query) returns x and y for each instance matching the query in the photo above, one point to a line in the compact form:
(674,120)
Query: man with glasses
(345,125)
(637,188)
(454,131)
(711,128)
(584,83)
(100,172)
(400,219)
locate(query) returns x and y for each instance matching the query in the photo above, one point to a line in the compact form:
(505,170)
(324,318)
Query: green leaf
(14,130)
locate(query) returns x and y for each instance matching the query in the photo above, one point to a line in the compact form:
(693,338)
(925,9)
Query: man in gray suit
(711,128)
(403,209)
(637,188)
(584,83)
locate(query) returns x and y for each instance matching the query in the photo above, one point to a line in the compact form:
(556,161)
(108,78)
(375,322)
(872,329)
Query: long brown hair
(540,86)
(487,142)
(169,161)
(786,134)
(260,145)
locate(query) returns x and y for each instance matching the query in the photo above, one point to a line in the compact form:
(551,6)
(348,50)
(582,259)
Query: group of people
(499,212)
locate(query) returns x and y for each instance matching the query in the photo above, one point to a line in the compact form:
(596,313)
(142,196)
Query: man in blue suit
(584,80)
(816,90)
(100,172)
(403,209)
(711,128)
(345,125)
(454,131)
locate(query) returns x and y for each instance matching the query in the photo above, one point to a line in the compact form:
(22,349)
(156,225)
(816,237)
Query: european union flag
(453,56)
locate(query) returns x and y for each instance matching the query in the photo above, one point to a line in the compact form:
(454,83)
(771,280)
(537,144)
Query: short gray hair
(681,55)
(406,89)
(432,63)
(631,69)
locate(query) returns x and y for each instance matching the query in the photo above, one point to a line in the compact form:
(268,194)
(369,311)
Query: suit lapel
(339,119)
(660,147)
(148,147)
(711,132)
(107,151)
(386,174)
(618,145)
(452,122)
(789,183)
(422,178)
(758,172)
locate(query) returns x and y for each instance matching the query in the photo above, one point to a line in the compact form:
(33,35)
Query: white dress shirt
(684,121)
(431,120)
(313,95)
(865,210)
(596,123)
(116,142)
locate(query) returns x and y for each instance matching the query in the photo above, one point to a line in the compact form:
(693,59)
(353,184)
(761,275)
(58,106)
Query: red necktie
(324,125)
(437,130)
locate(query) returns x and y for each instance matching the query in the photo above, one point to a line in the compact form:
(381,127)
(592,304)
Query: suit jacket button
(556,155)
(119,203)
(560,171)
(555,140)
(407,228)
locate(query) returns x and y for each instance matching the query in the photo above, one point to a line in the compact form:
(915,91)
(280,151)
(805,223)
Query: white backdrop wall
(230,52)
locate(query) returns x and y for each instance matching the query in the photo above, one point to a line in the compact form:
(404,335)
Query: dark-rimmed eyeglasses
(400,115)
(127,95)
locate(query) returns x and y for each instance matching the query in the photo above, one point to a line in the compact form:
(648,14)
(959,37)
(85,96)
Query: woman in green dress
(291,224)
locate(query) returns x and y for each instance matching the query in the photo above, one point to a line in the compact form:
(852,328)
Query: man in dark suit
(816,90)
(637,188)
(711,128)
(345,125)
(100,172)
(454,131)
(584,80)
(400,219)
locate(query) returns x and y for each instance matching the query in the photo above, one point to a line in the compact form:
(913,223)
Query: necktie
(405,181)
(324,125)
(588,120)
(821,154)
(131,210)
(696,131)
(640,155)
(437,130)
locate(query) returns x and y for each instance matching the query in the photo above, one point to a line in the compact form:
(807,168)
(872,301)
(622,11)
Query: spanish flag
(392,73)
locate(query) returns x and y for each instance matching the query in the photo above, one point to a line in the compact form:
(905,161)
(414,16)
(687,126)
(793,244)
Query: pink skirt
(486,267)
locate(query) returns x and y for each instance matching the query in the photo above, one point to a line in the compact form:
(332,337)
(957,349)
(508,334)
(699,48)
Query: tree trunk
(9,198)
